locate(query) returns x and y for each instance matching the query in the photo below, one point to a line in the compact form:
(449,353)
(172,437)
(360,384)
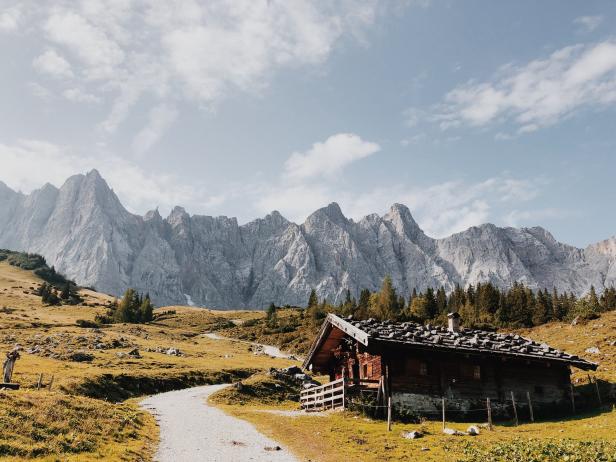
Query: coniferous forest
(483,306)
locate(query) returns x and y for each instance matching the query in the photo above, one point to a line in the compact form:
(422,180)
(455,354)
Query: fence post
(443,406)
(489,413)
(40,380)
(389,413)
(572,397)
(530,407)
(50,382)
(343,393)
(515,410)
(598,392)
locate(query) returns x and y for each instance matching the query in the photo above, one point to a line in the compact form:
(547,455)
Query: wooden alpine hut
(420,366)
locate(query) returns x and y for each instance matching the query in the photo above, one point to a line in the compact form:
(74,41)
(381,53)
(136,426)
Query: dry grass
(111,374)
(48,425)
(346,436)
(576,339)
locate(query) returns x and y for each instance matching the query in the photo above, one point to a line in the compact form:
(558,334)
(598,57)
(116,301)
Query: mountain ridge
(83,229)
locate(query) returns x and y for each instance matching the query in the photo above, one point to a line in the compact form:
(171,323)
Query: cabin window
(423,368)
(365,371)
(470,372)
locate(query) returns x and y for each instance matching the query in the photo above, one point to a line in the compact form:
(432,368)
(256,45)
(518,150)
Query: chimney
(453,322)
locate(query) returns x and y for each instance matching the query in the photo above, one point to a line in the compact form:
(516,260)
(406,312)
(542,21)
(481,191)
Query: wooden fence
(332,395)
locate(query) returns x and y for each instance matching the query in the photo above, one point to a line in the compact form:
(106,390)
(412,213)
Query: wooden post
(343,392)
(379,396)
(572,397)
(389,413)
(40,380)
(598,392)
(530,407)
(443,406)
(489,413)
(50,382)
(515,410)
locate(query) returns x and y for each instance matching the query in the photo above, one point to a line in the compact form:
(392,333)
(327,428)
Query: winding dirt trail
(191,430)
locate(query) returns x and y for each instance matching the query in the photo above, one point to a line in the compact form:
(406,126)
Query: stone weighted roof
(466,340)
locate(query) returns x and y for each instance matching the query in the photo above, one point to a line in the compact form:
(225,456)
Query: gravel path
(270,350)
(191,430)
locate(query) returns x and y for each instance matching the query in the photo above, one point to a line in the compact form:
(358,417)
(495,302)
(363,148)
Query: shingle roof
(466,340)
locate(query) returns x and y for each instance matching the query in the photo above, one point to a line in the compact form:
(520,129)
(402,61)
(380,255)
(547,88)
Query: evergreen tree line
(132,308)
(482,306)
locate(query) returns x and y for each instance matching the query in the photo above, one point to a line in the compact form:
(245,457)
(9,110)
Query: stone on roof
(410,333)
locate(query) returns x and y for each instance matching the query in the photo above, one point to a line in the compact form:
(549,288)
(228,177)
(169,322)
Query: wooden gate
(332,395)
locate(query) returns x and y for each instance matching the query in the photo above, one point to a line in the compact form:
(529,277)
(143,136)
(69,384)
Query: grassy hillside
(94,362)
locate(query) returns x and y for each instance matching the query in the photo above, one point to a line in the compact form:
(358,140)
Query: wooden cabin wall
(467,380)
(356,364)
(419,379)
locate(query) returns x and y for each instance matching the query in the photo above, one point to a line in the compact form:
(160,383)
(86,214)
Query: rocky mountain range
(83,229)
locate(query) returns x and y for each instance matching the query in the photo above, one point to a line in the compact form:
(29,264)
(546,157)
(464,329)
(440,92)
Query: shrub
(87,323)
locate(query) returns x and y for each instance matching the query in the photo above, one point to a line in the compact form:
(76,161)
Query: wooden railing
(328,396)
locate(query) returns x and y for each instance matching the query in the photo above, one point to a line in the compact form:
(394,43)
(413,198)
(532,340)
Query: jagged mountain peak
(606,247)
(400,216)
(152,215)
(331,212)
(83,230)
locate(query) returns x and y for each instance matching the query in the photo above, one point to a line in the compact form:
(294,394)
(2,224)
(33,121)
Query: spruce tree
(313,299)
(146,309)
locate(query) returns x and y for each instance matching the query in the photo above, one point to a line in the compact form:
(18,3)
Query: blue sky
(466,111)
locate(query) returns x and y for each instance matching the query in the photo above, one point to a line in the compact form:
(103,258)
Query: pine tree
(431,307)
(125,311)
(592,298)
(541,312)
(146,309)
(386,303)
(313,299)
(441,301)
(66,292)
(272,316)
(363,305)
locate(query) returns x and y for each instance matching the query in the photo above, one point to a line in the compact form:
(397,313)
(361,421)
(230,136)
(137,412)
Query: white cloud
(39,91)
(199,51)
(159,120)
(53,64)
(537,94)
(412,116)
(329,157)
(98,52)
(10,19)
(588,23)
(518,218)
(76,95)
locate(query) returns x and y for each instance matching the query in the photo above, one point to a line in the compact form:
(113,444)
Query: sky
(465,111)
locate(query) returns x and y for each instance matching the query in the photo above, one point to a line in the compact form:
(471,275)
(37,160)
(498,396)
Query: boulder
(472,430)
(593,350)
(451,431)
(412,435)
(81,356)
(134,353)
